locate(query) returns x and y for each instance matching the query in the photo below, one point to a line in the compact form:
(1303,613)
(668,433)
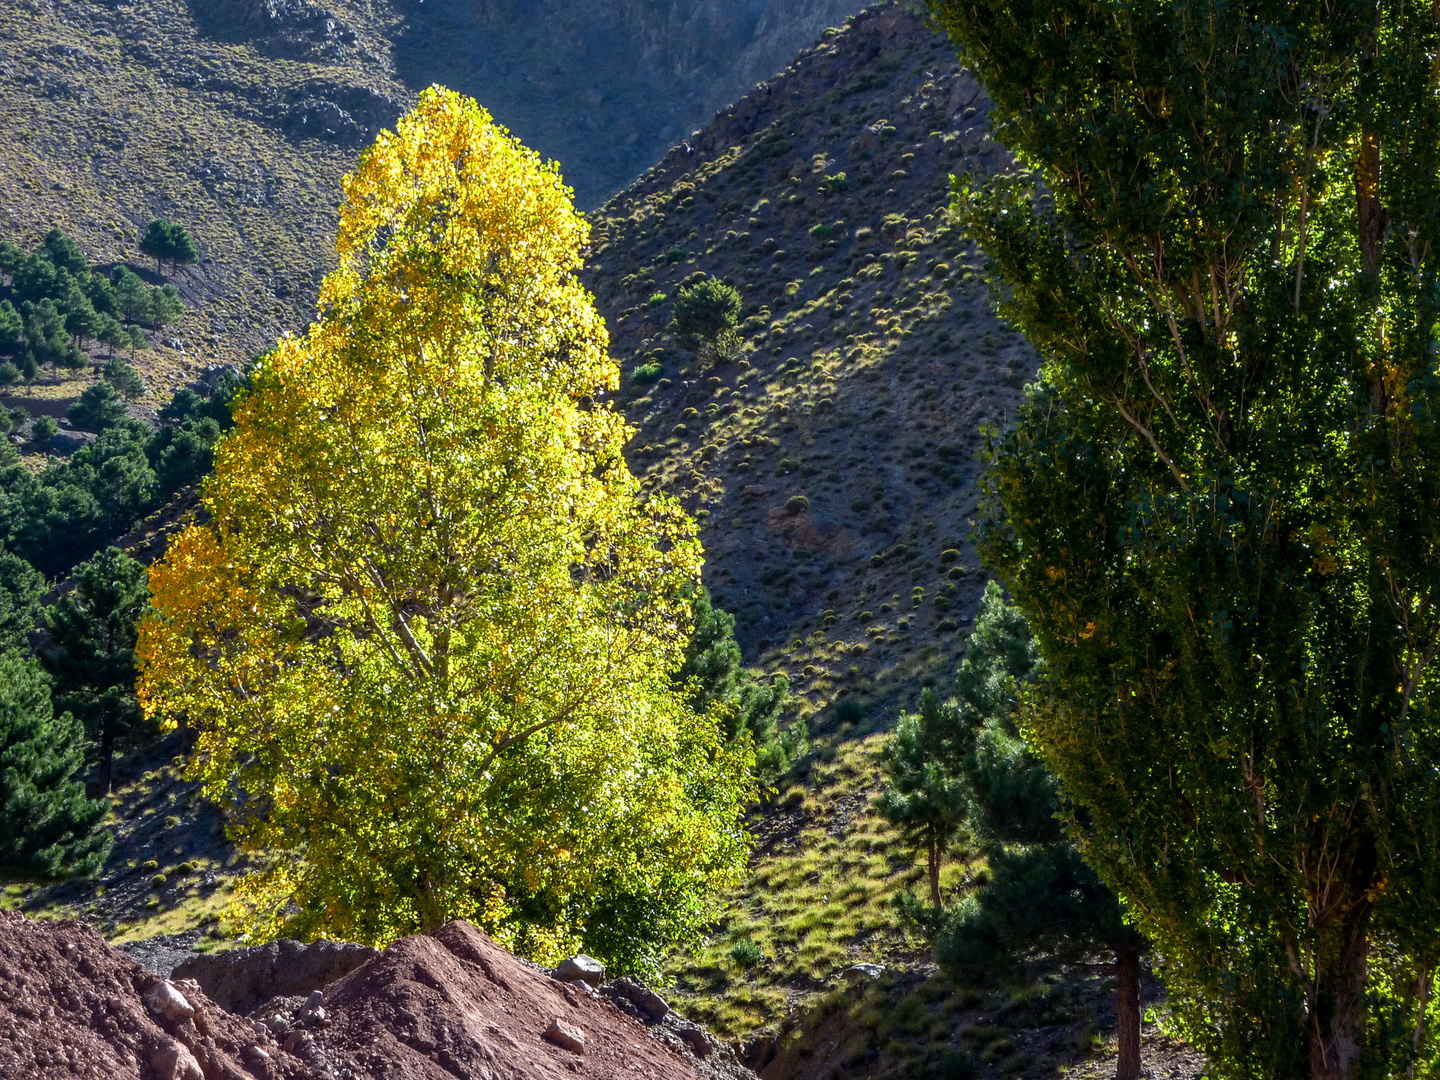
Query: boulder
(581,968)
(862,973)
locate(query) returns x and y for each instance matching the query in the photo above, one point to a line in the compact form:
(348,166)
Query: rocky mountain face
(605,87)
(238,119)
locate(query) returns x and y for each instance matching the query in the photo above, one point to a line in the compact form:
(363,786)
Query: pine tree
(1040,895)
(155,242)
(924,797)
(48,828)
(714,662)
(964,762)
(91,653)
(21,587)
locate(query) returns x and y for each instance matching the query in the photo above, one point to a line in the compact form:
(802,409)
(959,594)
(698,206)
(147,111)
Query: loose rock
(562,1034)
(581,968)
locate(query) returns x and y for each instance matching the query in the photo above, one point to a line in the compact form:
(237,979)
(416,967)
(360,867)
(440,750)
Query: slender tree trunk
(934,868)
(105,776)
(1337,1023)
(1127,1011)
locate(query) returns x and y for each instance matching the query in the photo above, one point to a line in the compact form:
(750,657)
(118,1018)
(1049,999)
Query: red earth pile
(450,1006)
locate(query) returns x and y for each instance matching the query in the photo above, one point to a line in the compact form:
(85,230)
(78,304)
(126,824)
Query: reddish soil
(72,1006)
(450,1007)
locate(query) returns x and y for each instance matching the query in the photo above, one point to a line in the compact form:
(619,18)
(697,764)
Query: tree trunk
(104,777)
(1337,1022)
(934,868)
(1127,1011)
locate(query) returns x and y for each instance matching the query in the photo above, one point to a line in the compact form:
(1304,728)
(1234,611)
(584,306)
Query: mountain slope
(832,466)
(238,118)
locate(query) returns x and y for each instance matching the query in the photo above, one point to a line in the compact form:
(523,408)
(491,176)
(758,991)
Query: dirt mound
(458,1005)
(72,1006)
(445,1007)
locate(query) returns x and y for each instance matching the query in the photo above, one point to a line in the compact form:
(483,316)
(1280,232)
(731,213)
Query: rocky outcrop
(241,980)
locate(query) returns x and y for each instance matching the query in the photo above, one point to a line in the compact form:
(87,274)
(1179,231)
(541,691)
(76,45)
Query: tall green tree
(48,828)
(1220,509)
(91,652)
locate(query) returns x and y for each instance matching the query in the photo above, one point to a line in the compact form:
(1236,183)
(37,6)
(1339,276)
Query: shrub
(797,504)
(676,253)
(656,299)
(949,555)
(746,954)
(821,231)
(645,374)
(43,430)
(97,408)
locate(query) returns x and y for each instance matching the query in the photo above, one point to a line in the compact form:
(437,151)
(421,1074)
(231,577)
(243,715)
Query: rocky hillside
(833,464)
(238,118)
(605,87)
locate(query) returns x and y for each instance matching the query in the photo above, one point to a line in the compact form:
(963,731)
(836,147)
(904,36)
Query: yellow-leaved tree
(426,634)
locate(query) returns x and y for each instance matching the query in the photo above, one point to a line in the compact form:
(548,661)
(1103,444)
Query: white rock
(565,1036)
(169,1002)
(862,972)
(581,968)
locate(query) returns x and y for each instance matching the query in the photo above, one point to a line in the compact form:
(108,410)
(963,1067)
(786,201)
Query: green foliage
(746,954)
(48,828)
(925,799)
(124,379)
(167,242)
(91,652)
(719,683)
(64,514)
(12,326)
(43,430)
(1218,511)
(707,313)
(21,589)
(645,374)
(97,408)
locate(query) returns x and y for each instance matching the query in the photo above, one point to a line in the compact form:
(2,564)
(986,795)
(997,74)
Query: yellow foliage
(427,631)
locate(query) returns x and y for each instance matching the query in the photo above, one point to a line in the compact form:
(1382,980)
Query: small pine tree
(155,241)
(92,650)
(43,430)
(124,378)
(164,307)
(164,241)
(97,408)
(182,248)
(64,253)
(706,315)
(927,801)
(48,828)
